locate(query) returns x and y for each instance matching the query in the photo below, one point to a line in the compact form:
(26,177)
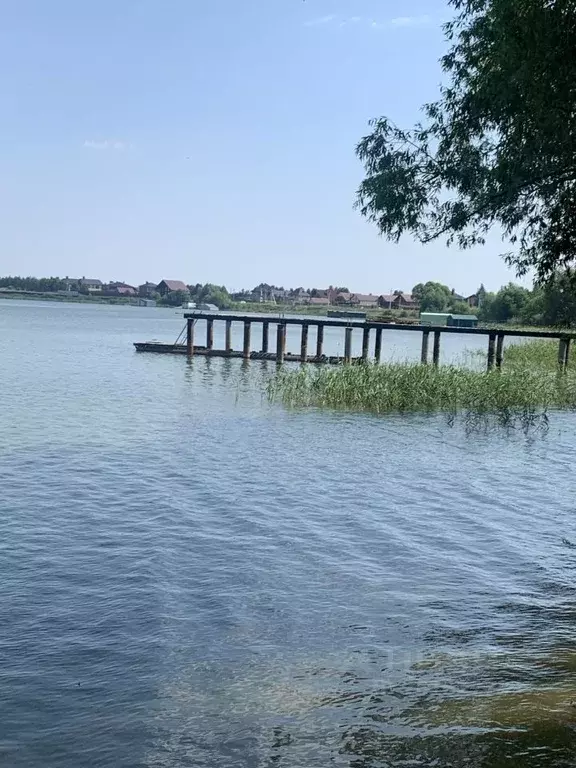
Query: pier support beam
(425,345)
(247,331)
(365,344)
(190,337)
(228,338)
(436,350)
(499,350)
(348,345)
(320,341)
(265,335)
(209,334)
(378,345)
(491,350)
(280,342)
(304,344)
(563,352)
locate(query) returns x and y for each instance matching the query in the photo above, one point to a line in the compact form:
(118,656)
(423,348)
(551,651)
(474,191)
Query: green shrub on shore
(518,390)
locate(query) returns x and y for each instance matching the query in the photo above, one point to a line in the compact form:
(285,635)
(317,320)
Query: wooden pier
(190,348)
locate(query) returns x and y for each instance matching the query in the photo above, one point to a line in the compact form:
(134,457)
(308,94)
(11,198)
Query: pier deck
(496,339)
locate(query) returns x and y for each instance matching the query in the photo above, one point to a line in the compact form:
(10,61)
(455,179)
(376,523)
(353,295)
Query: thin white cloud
(394,23)
(411,21)
(319,22)
(113,144)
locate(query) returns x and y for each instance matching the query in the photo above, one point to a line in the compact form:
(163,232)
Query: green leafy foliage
(211,294)
(175,299)
(508,304)
(497,148)
(37,284)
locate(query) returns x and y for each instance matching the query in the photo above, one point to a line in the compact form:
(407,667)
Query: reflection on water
(192,577)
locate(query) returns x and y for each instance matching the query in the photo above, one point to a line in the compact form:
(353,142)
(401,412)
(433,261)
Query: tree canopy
(497,148)
(436,297)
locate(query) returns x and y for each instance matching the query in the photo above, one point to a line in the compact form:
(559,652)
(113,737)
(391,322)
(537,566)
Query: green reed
(518,389)
(536,354)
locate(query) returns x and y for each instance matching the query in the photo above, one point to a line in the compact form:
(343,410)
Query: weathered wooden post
(209,334)
(500,350)
(378,345)
(563,354)
(436,350)
(320,340)
(365,344)
(265,334)
(190,337)
(228,339)
(247,330)
(348,345)
(304,343)
(491,350)
(568,340)
(425,344)
(280,342)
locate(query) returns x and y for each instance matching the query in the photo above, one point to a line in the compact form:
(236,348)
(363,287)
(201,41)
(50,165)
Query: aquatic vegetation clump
(409,387)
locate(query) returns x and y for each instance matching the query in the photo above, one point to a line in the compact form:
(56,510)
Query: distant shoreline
(32,296)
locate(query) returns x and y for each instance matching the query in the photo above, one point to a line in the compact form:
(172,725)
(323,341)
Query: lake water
(191,577)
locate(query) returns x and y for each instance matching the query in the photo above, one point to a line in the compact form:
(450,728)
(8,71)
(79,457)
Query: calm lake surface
(191,577)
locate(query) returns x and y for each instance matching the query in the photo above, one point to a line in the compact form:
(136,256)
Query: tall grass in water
(537,354)
(517,391)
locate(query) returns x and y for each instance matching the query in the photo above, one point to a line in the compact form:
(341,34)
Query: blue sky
(212,140)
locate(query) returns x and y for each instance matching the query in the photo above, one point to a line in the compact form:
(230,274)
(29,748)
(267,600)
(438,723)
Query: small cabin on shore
(449,319)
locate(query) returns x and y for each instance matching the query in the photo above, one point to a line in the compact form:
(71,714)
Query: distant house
(146,290)
(475,301)
(299,295)
(91,285)
(266,293)
(169,286)
(477,298)
(120,289)
(343,298)
(367,300)
(319,301)
(397,301)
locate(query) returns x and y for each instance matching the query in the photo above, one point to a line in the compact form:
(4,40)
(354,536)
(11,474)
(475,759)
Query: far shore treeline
(549,304)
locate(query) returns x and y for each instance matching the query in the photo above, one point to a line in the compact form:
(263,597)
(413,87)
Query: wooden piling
(378,345)
(568,342)
(436,350)
(491,350)
(209,334)
(320,340)
(563,354)
(280,342)
(265,335)
(348,345)
(247,331)
(500,350)
(304,343)
(365,344)
(190,337)
(425,345)
(228,339)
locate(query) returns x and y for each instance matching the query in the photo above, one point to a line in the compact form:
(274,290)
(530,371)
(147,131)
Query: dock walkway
(429,334)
